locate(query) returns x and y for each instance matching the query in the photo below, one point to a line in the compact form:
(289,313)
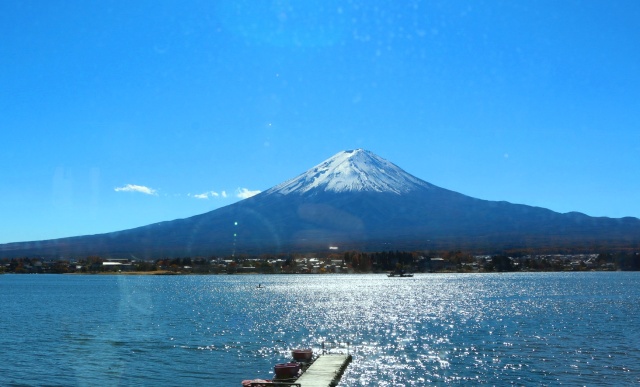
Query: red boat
(248,383)
(304,355)
(286,370)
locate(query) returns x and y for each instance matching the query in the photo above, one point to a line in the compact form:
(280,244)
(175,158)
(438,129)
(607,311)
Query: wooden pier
(325,371)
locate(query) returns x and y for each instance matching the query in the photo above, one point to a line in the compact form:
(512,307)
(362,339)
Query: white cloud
(137,188)
(210,194)
(244,193)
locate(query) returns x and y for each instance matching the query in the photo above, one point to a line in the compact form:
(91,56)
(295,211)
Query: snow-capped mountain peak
(352,170)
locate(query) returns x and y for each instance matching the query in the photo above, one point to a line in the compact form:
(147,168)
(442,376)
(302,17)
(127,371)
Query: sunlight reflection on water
(433,328)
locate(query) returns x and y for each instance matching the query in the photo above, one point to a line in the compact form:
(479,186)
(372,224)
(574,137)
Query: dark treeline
(456,261)
(349,262)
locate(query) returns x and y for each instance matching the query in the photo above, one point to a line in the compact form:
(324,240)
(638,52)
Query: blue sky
(118,114)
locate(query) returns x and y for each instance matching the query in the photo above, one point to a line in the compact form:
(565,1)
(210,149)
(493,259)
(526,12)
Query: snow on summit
(349,171)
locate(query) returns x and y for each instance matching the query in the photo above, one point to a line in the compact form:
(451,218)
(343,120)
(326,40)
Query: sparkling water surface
(497,329)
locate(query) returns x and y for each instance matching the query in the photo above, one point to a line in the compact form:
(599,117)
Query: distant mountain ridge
(353,200)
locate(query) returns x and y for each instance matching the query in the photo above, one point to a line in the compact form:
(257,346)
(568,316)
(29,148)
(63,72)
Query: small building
(437,263)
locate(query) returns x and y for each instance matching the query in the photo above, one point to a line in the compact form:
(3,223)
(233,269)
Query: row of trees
(458,261)
(354,261)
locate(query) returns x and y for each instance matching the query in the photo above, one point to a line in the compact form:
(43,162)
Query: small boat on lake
(257,382)
(286,370)
(302,355)
(399,273)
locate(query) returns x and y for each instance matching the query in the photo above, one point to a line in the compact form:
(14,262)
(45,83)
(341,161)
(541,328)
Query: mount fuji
(353,200)
(352,171)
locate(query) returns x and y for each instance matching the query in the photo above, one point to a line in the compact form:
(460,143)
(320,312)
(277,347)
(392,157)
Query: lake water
(523,329)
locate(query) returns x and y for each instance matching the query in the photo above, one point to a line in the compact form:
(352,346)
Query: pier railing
(335,347)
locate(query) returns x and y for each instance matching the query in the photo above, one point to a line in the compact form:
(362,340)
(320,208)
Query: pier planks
(325,371)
